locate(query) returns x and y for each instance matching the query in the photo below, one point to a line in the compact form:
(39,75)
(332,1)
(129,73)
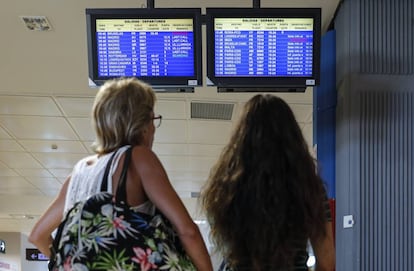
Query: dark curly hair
(264,198)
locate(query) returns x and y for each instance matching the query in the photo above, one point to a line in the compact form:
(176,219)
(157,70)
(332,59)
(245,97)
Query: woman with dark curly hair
(264,199)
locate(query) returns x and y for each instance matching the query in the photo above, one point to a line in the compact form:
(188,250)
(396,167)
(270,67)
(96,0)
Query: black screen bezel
(277,82)
(144,13)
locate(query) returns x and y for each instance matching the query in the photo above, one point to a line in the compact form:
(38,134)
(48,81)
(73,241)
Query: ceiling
(45,103)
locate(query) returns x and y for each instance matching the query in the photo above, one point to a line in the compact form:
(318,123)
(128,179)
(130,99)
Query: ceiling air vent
(195,194)
(38,23)
(216,111)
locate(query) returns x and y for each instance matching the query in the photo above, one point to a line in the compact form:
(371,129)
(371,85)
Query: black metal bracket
(150,3)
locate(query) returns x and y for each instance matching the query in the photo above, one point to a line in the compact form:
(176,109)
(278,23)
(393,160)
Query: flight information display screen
(145,47)
(264,47)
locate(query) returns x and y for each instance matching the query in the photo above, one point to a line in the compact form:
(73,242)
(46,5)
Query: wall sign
(2,247)
(33,254)
(4,265)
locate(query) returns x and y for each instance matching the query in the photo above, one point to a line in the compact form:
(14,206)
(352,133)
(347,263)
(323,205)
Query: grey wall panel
(386,36)
(374,133)
(386,180)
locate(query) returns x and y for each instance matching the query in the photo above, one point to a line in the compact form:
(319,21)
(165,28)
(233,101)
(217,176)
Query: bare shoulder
(142,151)
(143,155)
(147,164)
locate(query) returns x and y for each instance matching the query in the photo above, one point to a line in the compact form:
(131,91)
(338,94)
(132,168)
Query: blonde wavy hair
(120,113)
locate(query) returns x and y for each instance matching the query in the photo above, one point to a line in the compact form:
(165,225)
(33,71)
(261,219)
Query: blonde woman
(123,116)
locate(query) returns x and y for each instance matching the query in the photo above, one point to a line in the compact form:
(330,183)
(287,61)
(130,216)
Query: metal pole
(150,3)
(256,3)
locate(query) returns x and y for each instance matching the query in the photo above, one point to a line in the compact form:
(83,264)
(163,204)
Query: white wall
(15,257)
(30,265)
(11,259)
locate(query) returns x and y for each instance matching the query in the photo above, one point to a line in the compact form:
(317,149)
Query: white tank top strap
(86,177)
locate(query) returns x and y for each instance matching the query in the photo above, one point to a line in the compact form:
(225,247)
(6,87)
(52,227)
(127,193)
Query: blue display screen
(265,47)
(145,47)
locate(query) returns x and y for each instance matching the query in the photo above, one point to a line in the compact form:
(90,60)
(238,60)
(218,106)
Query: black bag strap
(122,178)
(121,188)
(104,183)
(121,194)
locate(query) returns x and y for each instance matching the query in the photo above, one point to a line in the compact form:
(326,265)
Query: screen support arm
(150,3)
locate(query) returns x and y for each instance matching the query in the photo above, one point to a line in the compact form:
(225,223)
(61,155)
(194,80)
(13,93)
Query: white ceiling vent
(38,23)
(216,111)
(195,194)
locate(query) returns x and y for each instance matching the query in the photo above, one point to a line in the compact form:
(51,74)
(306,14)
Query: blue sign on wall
(33,254)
